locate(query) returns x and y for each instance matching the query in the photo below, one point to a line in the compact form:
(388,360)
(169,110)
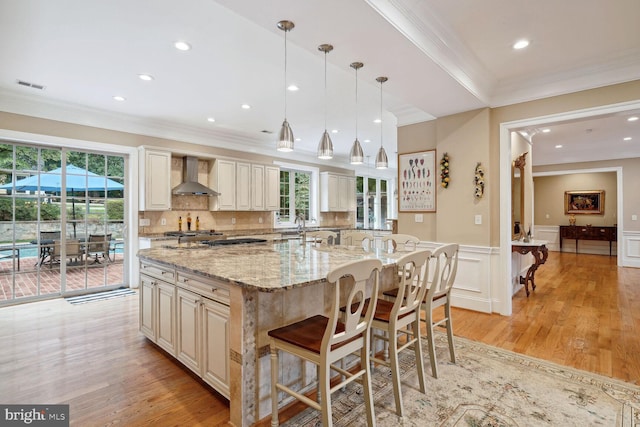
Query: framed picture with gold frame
(584,202)
(417,181)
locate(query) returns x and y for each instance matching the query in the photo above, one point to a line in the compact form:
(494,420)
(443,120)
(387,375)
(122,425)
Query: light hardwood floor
(583,314)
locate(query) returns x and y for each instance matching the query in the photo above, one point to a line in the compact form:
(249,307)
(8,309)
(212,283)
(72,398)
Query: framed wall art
(584,202)
(417,181)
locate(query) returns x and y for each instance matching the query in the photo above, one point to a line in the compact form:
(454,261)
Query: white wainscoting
(631,249)
(472,288)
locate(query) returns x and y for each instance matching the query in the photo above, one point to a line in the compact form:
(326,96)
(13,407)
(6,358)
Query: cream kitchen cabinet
(257,187)
(157,306)
(243,186)
(202,342)
(154,175)
(272,188)
(337,192)
(223,179)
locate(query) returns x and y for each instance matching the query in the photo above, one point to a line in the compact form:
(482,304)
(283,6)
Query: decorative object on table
(285,139)
(325,146)
(479,181)
(382,162)
(444,171)
(584,202)
(572,219)
(417,181)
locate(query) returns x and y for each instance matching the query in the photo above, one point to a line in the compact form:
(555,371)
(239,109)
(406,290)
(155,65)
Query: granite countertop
(258,232)
(268,267)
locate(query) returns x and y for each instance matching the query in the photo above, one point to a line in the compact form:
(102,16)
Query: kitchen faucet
(301,223)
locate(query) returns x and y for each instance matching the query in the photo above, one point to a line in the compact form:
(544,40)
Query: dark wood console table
(540,254)
(579,232)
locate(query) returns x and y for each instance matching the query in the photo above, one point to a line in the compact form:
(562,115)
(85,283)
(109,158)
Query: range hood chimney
(190,185)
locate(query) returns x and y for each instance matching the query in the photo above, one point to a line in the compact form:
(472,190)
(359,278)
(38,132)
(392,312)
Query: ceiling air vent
(33,85)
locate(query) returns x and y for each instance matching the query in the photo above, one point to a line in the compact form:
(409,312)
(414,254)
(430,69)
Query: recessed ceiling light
(628,138)
(145,77)
(334,131)
(546,130)
(211,119)
(293,88)
(366,140)
(182,45)
(246,106)
(119,98)
(298,139)
(632,119)
(521,44)
(559,146)
(377,121)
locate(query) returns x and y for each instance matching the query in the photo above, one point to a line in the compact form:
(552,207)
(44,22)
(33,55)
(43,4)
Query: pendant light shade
(356,157)
(325,147)
(381,159)
(285,137)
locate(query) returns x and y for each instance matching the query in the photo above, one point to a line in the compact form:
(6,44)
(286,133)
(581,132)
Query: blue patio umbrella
(77,179)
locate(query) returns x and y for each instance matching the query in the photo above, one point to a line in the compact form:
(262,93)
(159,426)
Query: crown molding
(437,42)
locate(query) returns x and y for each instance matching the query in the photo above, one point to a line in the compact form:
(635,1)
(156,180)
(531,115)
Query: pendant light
(357,156)
(325,147)
(381,159)
(285,139)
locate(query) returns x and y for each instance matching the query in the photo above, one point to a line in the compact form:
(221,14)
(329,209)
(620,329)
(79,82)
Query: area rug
(101,296)
(488,387)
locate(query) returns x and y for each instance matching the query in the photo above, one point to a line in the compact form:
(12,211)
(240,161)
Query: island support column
(242,368)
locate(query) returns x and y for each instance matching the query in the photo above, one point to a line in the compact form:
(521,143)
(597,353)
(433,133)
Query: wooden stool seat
(308,333)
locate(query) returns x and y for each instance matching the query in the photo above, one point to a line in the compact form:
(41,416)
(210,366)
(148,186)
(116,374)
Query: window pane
(284,196)
(302,193)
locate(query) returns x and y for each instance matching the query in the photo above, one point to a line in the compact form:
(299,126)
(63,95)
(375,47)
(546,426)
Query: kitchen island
(211,308)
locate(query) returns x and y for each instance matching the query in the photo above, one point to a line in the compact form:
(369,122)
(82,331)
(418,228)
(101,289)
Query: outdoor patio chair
(73,250)
(98,247)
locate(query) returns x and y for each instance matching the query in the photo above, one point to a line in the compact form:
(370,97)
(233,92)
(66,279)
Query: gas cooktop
(192,233)
(225,242)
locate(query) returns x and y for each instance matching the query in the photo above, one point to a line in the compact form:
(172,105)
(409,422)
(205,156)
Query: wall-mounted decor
(479,181)
(416,181)
(584,202)
(444,171)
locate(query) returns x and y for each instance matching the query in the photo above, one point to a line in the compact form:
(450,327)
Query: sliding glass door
(62,221)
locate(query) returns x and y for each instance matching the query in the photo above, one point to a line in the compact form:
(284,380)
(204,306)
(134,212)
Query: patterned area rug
(489,387)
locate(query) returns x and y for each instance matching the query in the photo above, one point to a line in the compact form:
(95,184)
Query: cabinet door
(155,177)
(346,193)
(257,187)
(243,186)
(272,188)
(166,326)
(148,307)
(329,188)
(188,330)
(225,184)
(215,345)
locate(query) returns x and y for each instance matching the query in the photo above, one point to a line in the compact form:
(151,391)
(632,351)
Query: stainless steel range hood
(190,185)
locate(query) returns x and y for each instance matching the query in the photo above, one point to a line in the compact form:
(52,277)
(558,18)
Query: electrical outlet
(163,221)
(634,217)
(259,220)
(144,222)
(478,219)
(419,218)
(547,216)
(233,220)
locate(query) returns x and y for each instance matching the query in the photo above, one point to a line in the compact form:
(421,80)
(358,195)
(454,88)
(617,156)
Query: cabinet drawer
(154,270)
(206,288)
